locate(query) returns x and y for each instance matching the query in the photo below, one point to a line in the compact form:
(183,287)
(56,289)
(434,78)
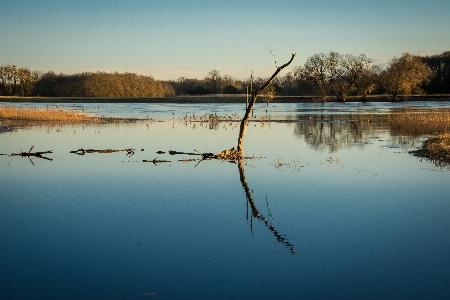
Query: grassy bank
(46,114)
(218,99)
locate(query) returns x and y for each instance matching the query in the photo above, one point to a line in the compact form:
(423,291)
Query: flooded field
(331,204)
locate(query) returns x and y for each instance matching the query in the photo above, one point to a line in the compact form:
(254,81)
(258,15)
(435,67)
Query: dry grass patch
(46,114)
(417,122)
(436,148)
(434,122)
(418,115)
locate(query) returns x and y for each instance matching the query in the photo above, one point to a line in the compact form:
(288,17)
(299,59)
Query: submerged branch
(155,161)
(33,154)
(82,151)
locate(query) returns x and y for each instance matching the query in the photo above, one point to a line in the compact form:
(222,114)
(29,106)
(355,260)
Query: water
(280,110)
(365,218)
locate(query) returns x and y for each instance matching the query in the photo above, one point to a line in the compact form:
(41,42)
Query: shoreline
(217,99)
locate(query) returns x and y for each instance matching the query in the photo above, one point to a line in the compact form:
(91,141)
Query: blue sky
(169,39)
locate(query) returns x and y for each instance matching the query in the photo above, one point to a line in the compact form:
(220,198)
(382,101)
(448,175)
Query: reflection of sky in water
(367,220)
(166,111)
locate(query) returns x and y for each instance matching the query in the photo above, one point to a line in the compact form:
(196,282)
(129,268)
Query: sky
(169,39)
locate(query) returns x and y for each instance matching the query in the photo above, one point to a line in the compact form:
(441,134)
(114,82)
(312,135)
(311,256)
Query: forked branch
(255,94)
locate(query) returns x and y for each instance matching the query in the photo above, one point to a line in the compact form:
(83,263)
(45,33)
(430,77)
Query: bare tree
(213,77)
(368,81)
(334,74)
(315,72)
(229,85)
(181,85)
(405,74)
(344,72)
(228,80)
(255,94)
(288,83)
(3,80)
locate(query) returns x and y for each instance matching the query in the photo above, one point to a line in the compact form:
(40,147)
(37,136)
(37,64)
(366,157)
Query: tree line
(323,75)
(337,75)
(214,83)
(22,82)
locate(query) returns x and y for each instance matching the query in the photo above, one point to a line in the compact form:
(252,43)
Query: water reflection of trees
(257,215)
(333,132)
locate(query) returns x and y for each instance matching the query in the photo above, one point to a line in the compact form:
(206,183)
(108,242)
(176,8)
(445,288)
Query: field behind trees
(323,77)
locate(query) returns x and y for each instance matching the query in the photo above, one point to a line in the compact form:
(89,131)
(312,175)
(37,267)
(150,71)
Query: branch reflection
(257,215)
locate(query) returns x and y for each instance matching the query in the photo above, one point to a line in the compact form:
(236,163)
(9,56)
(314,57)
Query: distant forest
(323,75)
(23,82)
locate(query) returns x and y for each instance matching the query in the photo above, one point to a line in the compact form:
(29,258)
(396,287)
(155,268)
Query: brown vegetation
(416,115)
(430,122)
(15,81)
(46,114)
(419,122)
(405,75)
(436,148)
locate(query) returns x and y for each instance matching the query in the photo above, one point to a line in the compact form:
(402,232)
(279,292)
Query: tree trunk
(244,123)
(395,96)
(255,94)
(363,98)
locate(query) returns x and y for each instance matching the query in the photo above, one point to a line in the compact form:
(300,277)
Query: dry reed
(435,122)
(417,122)
(436,148)
(418,115)
(45,114)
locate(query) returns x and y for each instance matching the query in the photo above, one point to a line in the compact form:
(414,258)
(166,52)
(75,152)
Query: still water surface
(336,208)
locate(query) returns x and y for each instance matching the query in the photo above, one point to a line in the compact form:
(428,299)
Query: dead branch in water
(82,151)
(187,159)
(233,154)
(155,161)
(255,94)
(33,154)
(172,152)
(206,156)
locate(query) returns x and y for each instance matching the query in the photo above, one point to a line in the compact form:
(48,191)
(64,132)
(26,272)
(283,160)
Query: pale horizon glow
(173,38)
